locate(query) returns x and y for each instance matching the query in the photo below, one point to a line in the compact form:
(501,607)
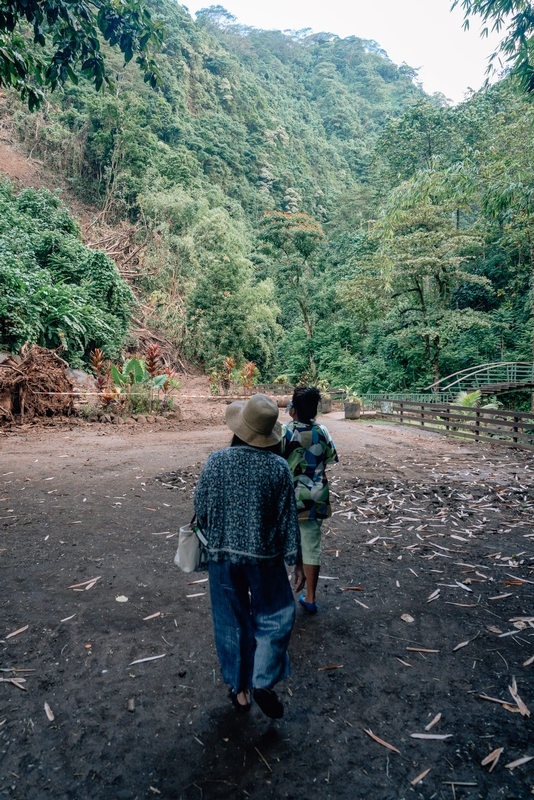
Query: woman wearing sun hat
(245,504)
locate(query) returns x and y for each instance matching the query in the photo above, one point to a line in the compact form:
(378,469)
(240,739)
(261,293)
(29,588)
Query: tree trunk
(435,368)
(308,328)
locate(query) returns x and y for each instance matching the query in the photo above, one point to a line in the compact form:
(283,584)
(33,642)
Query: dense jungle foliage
(304,205)
(53,289)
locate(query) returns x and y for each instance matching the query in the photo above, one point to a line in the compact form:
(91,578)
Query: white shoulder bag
(191,553)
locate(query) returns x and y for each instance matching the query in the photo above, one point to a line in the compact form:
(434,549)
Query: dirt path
(415,516)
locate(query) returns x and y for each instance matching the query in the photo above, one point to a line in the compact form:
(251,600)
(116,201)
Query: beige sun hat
(255,421)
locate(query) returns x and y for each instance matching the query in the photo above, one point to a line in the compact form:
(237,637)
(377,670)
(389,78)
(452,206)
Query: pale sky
(424,33)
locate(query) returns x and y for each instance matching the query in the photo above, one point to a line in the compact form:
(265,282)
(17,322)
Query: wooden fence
(510,428)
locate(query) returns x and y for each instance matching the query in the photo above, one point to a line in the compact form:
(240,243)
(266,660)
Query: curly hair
(305,402)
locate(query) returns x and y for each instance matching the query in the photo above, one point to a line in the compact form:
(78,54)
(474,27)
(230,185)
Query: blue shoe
(311,608)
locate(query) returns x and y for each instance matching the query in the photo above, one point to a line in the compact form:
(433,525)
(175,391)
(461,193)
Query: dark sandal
(239,707)
(269,703)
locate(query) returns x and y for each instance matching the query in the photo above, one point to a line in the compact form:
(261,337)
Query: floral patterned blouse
(245,505)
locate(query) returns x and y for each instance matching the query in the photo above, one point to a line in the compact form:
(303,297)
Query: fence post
(447,418)
(422,416)
(516,422)
(477,426)
(402,413)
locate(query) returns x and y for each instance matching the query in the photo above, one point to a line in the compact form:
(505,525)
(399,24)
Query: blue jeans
(253,614)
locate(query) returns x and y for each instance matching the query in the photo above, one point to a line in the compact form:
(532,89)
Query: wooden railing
(511,428)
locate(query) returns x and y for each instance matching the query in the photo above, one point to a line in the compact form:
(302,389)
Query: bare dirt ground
(424,526)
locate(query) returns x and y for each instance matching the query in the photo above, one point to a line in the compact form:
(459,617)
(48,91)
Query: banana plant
(136,382)
(133,372)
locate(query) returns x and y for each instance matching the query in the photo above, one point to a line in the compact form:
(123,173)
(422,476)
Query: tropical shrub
(54,291)
(135,385)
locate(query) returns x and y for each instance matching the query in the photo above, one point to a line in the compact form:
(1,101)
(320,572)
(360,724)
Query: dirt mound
(22,384)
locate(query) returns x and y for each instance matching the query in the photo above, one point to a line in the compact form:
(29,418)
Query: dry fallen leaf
(433,722)
(381,741)
(463,586)
(514,764)
(492,758)
(462,605)
(437,736)
(150,658)
(493,629)
(459,646)
(421,650)
(420,777)
(121,598)
(49,712)
(492,699)
(152,616)
(407,618)
(528,662)
(332,666)
(16,682)
(520,704)
(16,633)
(85,583)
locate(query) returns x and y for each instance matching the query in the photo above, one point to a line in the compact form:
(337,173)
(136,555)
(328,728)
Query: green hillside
(299,202)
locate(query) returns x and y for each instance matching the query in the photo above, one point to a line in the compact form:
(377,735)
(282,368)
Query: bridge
(503,376)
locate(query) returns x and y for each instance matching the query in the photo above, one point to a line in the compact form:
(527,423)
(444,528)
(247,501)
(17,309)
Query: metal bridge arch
(489,378)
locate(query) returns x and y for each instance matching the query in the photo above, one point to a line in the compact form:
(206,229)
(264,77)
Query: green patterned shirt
(308,449)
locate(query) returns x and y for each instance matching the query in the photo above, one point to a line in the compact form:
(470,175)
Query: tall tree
(226,314)
(516,19)
(420,260)
(66,41)
(293,240)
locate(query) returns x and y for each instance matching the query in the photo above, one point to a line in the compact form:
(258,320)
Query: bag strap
(199,533)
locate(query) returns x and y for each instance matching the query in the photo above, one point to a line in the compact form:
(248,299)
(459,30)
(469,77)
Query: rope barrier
(189,396)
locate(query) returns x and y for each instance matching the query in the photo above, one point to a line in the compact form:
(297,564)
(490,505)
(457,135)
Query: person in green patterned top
(308,448)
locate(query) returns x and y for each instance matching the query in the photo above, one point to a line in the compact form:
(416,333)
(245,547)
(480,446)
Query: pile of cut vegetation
(24,385)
